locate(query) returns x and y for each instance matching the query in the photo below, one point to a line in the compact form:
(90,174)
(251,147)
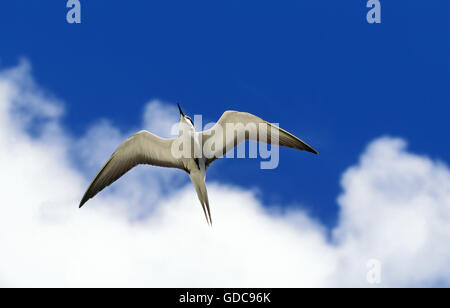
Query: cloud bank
(149,231)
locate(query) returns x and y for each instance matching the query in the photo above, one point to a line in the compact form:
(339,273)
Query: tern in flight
(147,148)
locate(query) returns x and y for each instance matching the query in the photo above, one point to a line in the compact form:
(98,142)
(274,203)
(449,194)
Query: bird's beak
(181,111)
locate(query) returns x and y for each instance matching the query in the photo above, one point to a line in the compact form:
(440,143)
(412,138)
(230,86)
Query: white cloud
(161,118)
(396,208)
(145,231)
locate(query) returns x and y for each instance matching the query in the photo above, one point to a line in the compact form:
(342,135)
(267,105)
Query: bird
(145,148)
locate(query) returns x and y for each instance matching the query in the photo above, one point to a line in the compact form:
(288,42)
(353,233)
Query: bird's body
(191,151)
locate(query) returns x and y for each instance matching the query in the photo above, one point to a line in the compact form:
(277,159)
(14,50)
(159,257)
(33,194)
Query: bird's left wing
(141,148)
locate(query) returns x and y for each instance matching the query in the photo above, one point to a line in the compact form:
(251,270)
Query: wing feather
(141,148)
(263,134)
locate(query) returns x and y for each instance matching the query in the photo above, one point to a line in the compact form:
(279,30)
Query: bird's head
(185,121)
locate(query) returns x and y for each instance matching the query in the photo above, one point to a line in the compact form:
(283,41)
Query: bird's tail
(198,179)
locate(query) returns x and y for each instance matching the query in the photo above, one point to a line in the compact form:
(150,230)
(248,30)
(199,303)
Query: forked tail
(198,179)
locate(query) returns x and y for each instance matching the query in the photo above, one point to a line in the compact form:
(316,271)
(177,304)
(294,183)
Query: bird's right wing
(141,148)
(219,139)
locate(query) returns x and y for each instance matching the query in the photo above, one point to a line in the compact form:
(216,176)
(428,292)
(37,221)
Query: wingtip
(311,150)
(83,202)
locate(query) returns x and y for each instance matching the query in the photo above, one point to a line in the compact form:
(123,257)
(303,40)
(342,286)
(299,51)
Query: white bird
(147,148)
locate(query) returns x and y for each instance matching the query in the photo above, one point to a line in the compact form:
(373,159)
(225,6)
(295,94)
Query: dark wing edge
(286,139)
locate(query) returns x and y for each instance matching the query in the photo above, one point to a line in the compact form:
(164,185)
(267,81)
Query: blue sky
(316,67)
